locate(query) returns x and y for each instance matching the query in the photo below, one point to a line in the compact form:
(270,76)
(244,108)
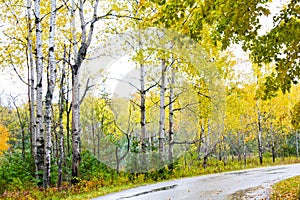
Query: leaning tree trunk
(81,55)
(39,95)
(162,117)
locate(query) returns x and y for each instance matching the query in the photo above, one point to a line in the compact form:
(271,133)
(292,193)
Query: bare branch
(185,106)
(138,105)
(14,68)
(127,83)
(87,87)
(58,8)
(149,88)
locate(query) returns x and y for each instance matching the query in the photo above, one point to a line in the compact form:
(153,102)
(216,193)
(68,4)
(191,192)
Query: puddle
(271,170)
(150,191)
(274,172)
(238,173)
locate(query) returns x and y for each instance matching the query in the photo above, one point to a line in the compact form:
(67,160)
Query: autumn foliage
(4,137)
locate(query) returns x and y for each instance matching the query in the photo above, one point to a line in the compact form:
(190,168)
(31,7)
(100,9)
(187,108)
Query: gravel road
(245,184)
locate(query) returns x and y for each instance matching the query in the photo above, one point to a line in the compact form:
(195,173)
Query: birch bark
(162,117)
(171,114)
(31,99)
(143,108)
(49,95)
(86,39)
(39,94)
(61,127)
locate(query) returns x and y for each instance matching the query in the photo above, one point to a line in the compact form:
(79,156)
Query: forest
(206,86)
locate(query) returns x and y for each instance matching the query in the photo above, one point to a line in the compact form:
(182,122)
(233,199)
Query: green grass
(287,189)
(98,186)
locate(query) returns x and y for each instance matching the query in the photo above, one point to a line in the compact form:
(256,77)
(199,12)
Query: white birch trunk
(73,28)
(171,114)
(162,117)
(81,55)
(39,94)
(31,83)
(49,95)
(143,108)
(61,127)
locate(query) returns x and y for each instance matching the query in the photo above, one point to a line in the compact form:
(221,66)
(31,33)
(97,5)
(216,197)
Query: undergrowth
(96,179)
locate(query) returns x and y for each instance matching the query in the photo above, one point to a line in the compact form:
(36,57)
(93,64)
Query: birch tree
(39,93)
(61,126)
(85,41)
(161,137)
(49,95)
(143,107)
(31,89)
(171,115)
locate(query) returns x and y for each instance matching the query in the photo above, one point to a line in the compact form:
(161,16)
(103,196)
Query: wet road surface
(245,184)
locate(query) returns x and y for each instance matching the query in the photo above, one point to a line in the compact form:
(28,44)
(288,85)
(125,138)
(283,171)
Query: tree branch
(87,87)
(19,75)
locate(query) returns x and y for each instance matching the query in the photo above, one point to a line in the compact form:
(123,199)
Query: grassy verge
(287,189)
(97,185)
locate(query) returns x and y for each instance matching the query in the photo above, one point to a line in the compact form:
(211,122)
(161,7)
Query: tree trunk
(204,164)
(100,133)
(239,146)
(22,126)
(259,135)
(39,95)
(143,108)
(220,151)
(161,139)
(75,123)
(31,88)
(79,58)
(244,150)
(201,139)
(49,95)
(171,114)
(207,143)
(61,126)
(68,111)
(273,143)
(93,138)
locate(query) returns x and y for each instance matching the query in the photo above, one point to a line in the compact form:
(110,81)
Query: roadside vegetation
(96,179)
(287,189)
